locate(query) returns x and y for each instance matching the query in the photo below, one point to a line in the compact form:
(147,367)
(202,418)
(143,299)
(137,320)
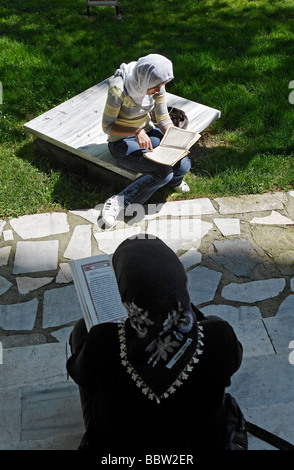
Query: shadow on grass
(73,185)
(208,43)
(236,57)
(216,171)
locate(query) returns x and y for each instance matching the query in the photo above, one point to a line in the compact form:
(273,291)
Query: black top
(118,415)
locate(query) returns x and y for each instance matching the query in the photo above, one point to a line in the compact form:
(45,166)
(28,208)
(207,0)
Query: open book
(97,290)
(174,146)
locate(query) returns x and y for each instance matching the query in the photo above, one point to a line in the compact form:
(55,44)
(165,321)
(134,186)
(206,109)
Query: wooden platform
(75,128)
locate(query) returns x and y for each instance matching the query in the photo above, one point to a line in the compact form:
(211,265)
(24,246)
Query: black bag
(236,433)
(237,428)
(177,116)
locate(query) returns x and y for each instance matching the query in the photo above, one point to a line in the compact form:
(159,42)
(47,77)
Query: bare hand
(165,128)
(144,140)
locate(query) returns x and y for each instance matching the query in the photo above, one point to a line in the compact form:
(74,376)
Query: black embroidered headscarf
(160,340)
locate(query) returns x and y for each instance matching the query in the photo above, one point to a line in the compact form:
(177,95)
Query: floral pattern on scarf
(175,325)
(138,318)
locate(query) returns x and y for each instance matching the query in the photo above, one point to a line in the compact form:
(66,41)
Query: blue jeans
(129,155)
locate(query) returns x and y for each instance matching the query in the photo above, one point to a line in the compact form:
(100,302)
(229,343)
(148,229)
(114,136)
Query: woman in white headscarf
(134,91)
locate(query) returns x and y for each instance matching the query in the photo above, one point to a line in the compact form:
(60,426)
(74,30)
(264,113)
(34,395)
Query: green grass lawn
(236,56)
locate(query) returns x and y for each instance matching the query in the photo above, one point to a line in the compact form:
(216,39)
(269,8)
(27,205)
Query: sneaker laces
(112,207)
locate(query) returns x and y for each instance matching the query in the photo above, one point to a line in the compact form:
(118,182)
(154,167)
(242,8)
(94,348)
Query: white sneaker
(110,211)
(183,187)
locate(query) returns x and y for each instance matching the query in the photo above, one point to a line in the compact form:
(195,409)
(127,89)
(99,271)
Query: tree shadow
(204,40)
(77,185)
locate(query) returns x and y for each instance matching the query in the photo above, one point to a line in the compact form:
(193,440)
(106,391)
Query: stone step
(40,406)
(277,419)
(69,441)
(39,403)
(44,413)
(263,387)
(27,365)
(264,380)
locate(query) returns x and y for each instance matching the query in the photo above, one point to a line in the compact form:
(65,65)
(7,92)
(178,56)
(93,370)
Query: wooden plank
(91,3)
(199,115)
(76,125)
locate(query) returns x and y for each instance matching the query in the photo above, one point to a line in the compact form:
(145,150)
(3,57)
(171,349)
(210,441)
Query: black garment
(162,338)
(119,417)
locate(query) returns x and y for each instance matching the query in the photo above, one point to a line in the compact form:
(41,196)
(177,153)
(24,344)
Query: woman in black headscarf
(157,381)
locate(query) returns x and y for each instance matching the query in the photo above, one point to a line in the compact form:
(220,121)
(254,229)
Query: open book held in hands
(173,146)
(97,290)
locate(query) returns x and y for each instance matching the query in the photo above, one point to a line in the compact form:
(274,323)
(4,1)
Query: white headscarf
(148,72)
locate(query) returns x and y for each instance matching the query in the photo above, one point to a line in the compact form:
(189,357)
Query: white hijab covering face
(148,72)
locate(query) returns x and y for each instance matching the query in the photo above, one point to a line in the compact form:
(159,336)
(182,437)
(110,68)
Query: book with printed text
(97,290)
(174,145)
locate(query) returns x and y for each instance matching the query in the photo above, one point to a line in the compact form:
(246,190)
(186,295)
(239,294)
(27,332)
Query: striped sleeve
(160,108)
(113,105)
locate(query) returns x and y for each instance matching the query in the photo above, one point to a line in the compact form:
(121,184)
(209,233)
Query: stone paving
(239,256)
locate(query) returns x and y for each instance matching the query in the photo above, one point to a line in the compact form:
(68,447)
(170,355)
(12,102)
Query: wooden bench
(73,132)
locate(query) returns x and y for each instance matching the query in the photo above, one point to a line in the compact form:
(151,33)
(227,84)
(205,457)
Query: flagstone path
(239,256)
